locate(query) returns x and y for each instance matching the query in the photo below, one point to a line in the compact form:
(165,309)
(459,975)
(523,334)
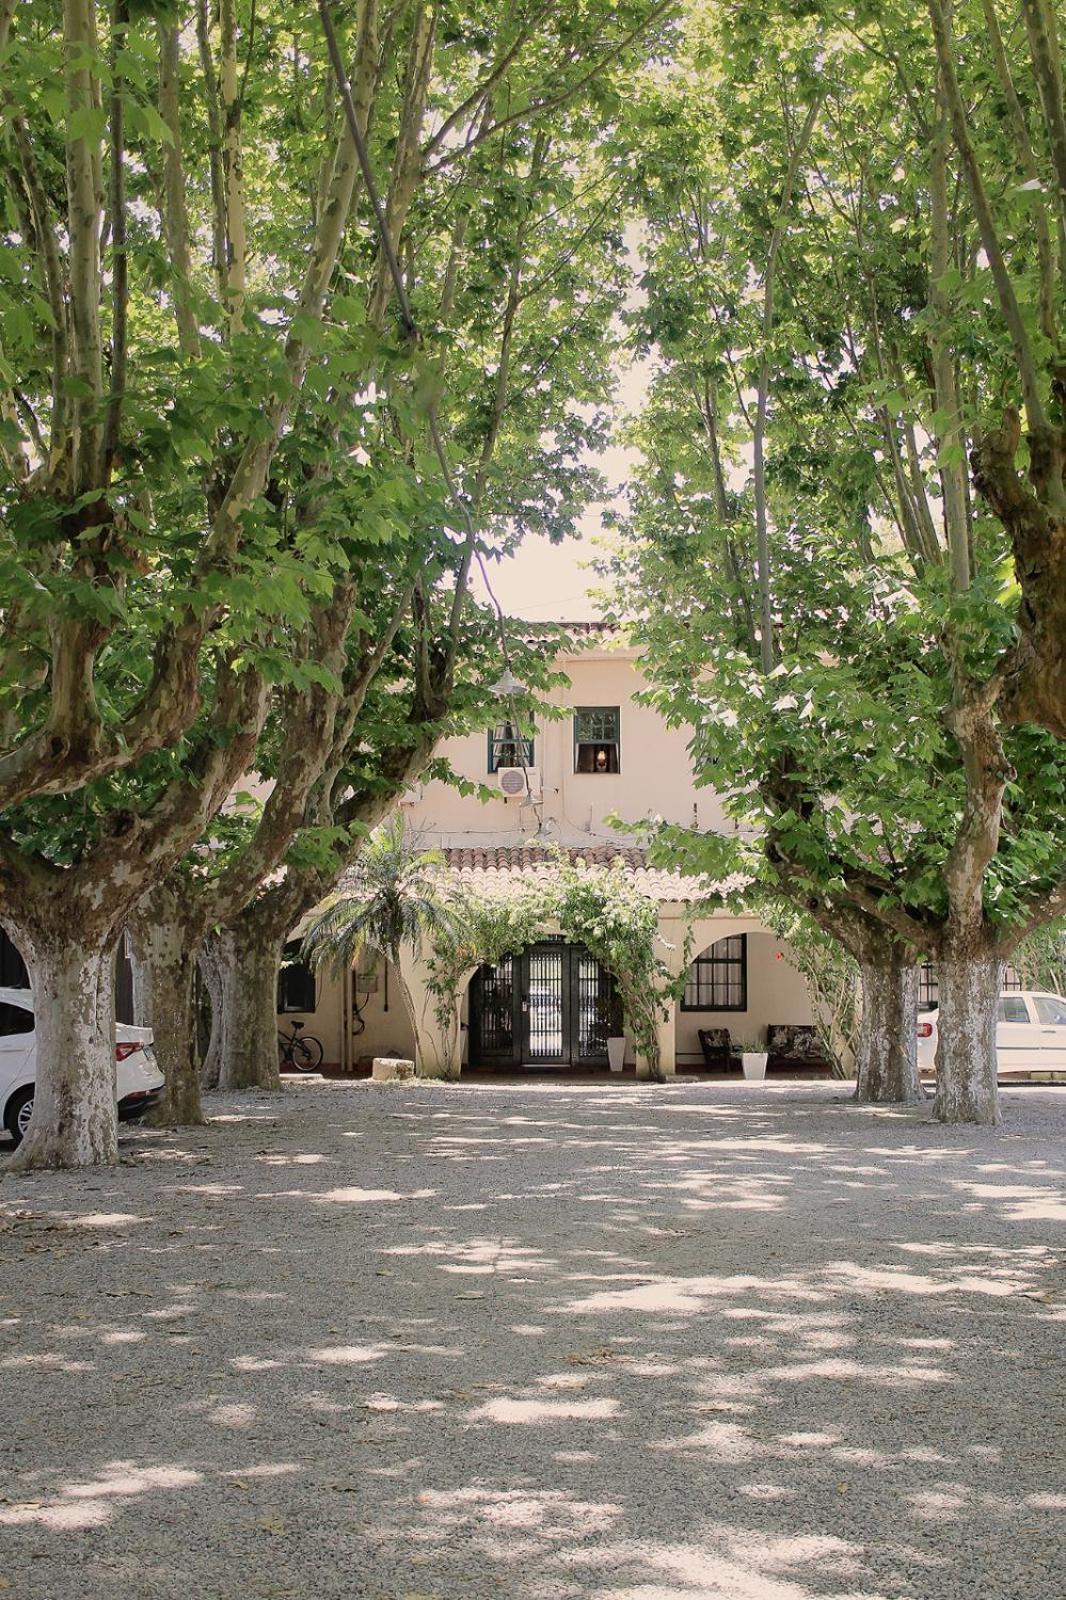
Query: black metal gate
(553,1005)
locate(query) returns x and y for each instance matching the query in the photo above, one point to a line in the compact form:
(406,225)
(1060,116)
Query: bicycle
(299,1053)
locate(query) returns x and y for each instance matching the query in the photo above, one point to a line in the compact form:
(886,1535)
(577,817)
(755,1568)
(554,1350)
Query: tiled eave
(482,867)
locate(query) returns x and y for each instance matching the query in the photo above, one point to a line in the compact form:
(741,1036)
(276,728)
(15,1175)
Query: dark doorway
(553,1005)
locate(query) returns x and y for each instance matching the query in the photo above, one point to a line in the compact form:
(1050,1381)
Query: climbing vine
(598,907)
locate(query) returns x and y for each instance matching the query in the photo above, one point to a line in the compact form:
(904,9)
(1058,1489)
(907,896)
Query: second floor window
(596,740)
(507,750)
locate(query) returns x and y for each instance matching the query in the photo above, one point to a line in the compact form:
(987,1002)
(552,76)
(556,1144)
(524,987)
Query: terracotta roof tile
(480,865)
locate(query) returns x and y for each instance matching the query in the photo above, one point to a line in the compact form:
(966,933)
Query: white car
(139,1081)
(1030,1034)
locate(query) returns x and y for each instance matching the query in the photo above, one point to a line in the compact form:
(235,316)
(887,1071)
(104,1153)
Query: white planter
(754,1064)
(616,1053)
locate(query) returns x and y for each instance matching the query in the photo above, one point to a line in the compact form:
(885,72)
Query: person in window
(601,761)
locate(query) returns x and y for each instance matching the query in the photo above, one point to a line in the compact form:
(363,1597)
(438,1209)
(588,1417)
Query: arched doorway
(552,1005)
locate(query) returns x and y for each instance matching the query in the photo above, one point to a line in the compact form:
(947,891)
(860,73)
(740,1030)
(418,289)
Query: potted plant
(608,1023)
(753,1055)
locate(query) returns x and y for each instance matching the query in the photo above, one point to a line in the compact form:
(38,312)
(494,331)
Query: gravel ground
(604,1342)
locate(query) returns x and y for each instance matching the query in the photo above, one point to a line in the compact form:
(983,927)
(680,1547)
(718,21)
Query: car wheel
(17,1113)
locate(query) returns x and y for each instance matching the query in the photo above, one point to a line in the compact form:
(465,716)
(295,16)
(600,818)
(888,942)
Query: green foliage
(1040,960)
(393,898)
(515,268)
(840,769)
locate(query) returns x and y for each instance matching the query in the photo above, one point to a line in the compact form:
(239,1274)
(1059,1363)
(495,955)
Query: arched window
(718,979)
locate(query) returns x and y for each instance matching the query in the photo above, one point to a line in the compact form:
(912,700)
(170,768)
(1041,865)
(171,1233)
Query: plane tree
(513,270)
(834,623)
(528,278)
(176,322)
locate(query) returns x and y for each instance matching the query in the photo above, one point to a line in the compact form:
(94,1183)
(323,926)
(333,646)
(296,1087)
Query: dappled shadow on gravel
(701,1342)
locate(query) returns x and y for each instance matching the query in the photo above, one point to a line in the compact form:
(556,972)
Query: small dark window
(596,739)
(14,1020)
(13,974)
(124,980)
(718,980)
(928,988)
(504,745)
(1011,979)
(296,981)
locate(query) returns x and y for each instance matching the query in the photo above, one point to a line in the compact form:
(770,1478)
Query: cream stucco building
(547,1007)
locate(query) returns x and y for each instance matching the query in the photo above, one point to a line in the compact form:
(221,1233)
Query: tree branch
(767,652)
(1043,47)
(214,125)
(175,211)
(119,266)
(1008,300)
(555,102)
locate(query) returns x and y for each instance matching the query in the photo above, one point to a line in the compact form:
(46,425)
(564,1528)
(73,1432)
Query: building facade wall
(654,780)
(655,777)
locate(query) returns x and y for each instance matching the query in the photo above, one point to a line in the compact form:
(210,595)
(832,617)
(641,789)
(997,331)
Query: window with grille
(718,980)
(597,746)
(296,981)
(506,749)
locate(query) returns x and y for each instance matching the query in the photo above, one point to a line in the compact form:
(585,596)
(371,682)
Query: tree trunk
(966,1047)
(888,1037)
(74,1123)
(250,955)
(168,965)
(211,973)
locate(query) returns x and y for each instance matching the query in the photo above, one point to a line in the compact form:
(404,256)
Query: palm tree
(393,898)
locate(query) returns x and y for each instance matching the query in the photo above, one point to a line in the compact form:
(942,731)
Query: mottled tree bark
(888,1039)
(75,1122)
(249,958)
(966,1089)
(167,958)
(211,973)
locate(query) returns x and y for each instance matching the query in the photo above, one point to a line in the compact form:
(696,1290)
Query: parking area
(704,1341)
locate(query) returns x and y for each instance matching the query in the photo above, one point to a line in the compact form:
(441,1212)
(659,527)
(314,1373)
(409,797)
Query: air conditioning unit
(512,782)
(412,795)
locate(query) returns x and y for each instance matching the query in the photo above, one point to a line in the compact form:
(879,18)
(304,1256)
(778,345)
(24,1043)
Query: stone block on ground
(391,1069)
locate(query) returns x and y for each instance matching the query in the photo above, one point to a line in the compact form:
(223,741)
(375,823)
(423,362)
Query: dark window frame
(502,736)
(296,983)
(714,964)
(602,741)
(928,987)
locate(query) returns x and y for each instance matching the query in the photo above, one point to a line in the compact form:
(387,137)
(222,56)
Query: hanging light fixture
(507,686)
